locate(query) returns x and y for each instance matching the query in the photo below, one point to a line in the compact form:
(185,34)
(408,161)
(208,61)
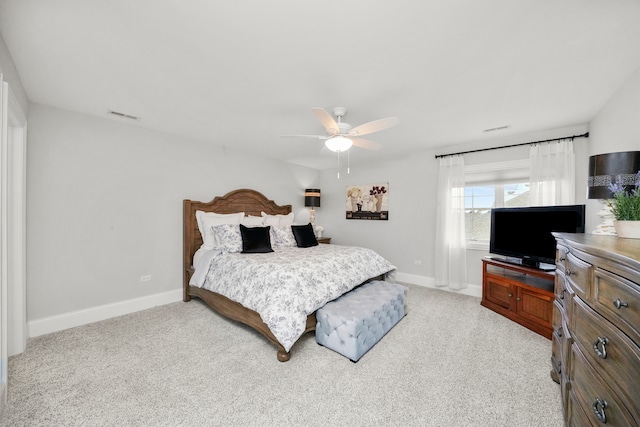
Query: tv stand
(520,293)
(526,263)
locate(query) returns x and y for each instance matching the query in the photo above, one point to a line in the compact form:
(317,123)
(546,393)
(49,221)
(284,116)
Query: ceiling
(242,73)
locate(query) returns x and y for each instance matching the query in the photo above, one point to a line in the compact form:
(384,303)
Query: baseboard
(429,282)
(102,312)
(60,322)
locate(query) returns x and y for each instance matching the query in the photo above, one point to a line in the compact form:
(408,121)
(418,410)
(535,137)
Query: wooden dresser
(596,329)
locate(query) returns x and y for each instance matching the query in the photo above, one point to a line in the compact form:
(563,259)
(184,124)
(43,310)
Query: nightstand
(326,240)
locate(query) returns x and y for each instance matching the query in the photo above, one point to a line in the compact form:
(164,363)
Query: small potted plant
(626,207)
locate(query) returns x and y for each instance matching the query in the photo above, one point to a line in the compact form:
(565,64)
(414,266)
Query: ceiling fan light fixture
(338,143)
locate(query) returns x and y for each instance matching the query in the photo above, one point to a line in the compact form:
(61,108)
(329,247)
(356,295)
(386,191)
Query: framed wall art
(368,201)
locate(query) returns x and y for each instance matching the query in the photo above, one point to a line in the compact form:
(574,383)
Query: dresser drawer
(618,300)
(560,288)
(558,316)
(576,416)
(561,341)
(561,257)
(599,403)
(612,353)
(565,391)
(557,364)
(578,274)
(560,363)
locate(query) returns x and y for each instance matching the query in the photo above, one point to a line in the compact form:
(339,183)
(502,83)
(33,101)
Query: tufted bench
(353,323)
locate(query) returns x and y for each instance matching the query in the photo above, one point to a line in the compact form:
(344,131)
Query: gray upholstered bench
(353,323)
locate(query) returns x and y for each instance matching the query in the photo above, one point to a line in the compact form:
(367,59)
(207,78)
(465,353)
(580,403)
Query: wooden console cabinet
(595,350)
(523,294)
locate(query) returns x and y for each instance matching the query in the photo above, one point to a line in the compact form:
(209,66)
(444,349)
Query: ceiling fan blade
(365,143)
(307,136)
(327,121)
(374,126)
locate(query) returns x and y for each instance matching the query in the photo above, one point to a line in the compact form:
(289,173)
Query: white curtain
(552,174)
(450,250)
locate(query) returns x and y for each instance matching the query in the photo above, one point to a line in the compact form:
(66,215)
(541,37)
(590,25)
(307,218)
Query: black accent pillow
(304,235)
(255,240)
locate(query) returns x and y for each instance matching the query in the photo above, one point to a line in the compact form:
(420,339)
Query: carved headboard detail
(250,202)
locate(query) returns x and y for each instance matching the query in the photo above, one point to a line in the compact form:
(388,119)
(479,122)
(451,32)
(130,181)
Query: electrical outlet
(417,262)
(146,278)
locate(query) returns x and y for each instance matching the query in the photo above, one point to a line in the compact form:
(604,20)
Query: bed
(226,283)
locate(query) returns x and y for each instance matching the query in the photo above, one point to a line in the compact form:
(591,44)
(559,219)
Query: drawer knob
(598,409)
(559,332)
(561,259)
(569,272)
(600,347)
(619,304)
(510,295)
(562,293)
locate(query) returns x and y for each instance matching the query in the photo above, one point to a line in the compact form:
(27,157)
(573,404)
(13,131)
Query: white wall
(10,75)
(615,128)
(104,206)
(408,234)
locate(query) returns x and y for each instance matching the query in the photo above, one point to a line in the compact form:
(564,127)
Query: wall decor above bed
(368,201)
(276,292)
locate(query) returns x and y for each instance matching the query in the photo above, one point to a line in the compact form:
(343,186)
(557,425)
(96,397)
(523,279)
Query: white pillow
(277,219)
(282,237)
(228,237)
(252,221)
(208,220)
(197,256)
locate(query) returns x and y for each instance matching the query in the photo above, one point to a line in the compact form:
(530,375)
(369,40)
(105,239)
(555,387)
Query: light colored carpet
(449,362)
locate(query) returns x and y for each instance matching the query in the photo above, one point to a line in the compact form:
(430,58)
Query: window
(492,185)
(479,199)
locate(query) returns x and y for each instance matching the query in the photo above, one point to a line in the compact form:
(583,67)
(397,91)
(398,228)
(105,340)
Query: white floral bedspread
(285,286)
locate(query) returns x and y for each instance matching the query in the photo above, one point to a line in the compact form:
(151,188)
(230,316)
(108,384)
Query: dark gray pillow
(255,240)
(304,235)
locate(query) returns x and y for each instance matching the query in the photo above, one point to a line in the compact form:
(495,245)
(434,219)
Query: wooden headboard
(250,202)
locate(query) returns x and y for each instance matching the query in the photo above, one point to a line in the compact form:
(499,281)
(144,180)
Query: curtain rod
(572,137)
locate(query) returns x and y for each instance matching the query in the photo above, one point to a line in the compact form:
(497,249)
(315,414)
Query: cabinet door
(534,306)
(499,292)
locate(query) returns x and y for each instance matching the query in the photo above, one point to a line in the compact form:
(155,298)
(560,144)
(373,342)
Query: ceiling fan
(341,136)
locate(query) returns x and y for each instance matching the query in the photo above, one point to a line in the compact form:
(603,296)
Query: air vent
(123,115)
(497,128)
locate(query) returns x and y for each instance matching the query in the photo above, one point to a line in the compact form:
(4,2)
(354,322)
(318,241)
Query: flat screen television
(524,236)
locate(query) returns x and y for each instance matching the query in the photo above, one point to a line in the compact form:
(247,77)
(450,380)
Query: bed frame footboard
(239,313)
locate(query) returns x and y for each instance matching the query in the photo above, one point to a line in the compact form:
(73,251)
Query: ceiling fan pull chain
(348,162)
(338,165)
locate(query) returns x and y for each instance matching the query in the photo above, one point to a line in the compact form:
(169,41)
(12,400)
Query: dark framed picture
(368,201)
